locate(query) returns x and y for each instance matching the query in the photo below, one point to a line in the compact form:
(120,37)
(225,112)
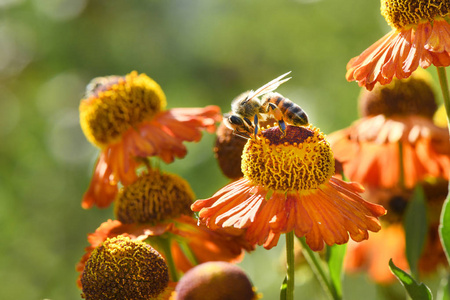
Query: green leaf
(415,291)
(283,289)
(444,227)
(336,254)
(416,228)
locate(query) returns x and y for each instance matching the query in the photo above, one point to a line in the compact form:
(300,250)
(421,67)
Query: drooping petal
(418,55)
(162,136)
(206,244)
(439,39)
(328,214)
(103,188)
(400,52)
(363,68)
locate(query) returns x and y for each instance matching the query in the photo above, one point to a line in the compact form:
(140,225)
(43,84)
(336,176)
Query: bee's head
(236,123)
(233,121)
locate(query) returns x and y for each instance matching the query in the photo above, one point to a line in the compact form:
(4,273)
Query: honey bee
(248,106)
(99,84)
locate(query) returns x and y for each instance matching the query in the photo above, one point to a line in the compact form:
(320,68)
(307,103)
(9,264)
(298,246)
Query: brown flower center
(122,268)
(301,160)
(401,13)
(228,150)
(412,96)
(154,197)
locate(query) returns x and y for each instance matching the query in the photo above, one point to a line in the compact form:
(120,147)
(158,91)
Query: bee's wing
(269,87)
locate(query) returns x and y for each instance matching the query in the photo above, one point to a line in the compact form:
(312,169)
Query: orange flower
(420,37)
(205,244)
(288,185)
(369,257)
(125,118)
(396,116)
(156,209)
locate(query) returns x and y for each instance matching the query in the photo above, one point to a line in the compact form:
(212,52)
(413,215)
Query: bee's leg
(249,123)
(282,126)
(255,121)
(279,116)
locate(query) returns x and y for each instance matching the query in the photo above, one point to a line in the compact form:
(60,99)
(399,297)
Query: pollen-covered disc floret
(401,13)
(114,104)
(122,268)
(301,160)
(411,96)
(153,198)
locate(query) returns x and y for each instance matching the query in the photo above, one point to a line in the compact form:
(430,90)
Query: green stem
(290,274)
(445,92)
(165,245)
(444,214)
(317,267)
(187,251)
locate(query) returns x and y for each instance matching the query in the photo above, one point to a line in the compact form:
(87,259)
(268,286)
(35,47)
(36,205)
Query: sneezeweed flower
(420,36)
(126,118)
(228,150)
(156,209)
(121,268)
(288,186)
(215,281)
(369,257)
(395,142)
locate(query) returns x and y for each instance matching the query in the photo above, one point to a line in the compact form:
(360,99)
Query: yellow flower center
(115,104)
(301,160)
(411,96)
(154,197)
(401,13)
(122,268)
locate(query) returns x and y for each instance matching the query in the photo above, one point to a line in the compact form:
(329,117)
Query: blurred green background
(201,52)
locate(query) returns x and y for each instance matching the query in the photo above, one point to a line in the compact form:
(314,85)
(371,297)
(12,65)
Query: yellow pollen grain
(153,198)
(402,13)
(113,108)
(303,162)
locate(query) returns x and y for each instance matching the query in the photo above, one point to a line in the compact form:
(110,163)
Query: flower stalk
(445,92)
(314,262)
(444,214)
(290,268)
(164,243)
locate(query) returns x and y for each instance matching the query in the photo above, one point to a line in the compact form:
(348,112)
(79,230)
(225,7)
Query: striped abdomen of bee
(284,110)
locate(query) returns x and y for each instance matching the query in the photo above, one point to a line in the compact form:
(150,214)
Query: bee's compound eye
(235,120)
